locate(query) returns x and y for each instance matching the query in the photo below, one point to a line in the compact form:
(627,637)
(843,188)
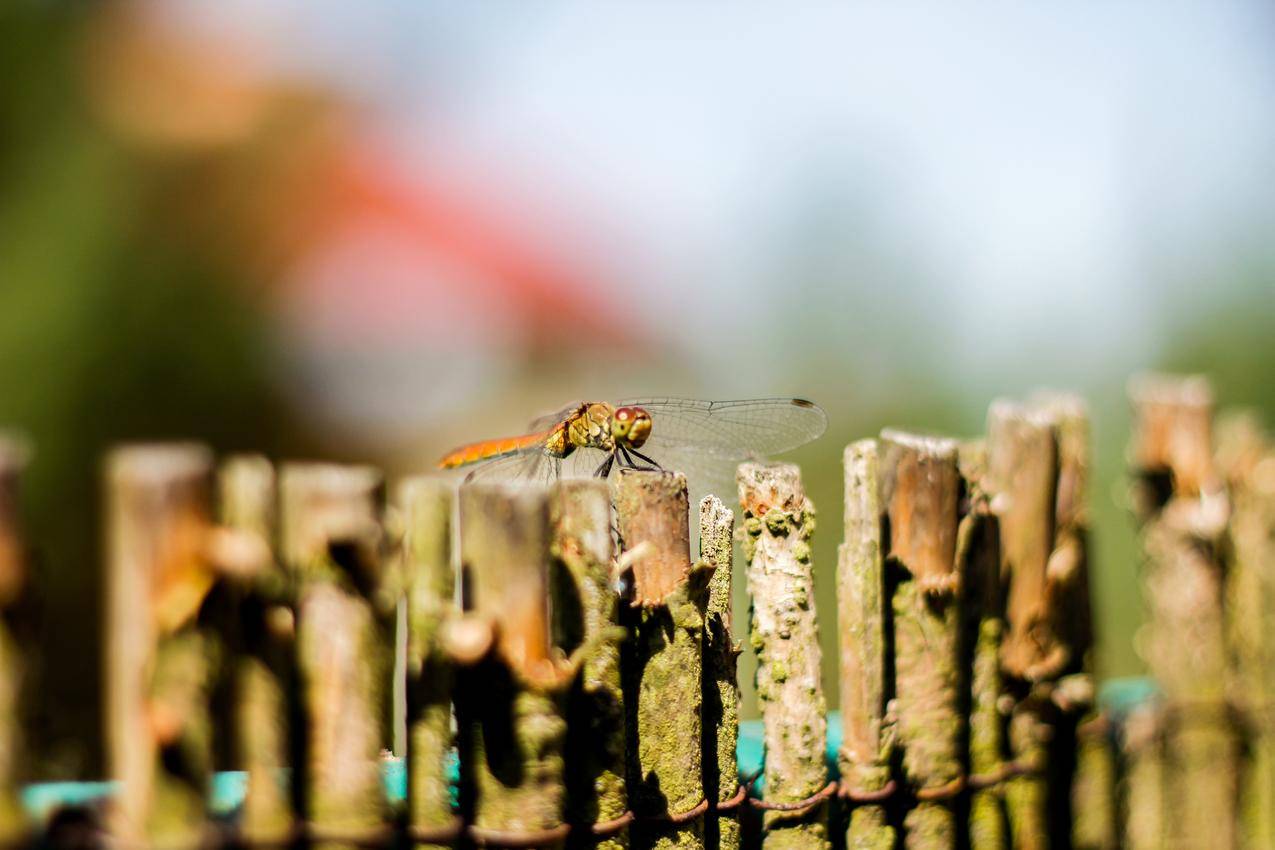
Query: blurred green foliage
(111,329)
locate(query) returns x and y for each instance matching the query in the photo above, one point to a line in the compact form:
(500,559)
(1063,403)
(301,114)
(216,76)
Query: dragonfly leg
(629,463)
(604,468)
(637,454)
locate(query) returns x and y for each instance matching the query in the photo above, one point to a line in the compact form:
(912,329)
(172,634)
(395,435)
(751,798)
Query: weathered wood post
(921,492)
(13,582)
(426,504)
(1183,509)
(1143,791)
(721,682)
(1247,460)
(778,523)
(1022,475)
(867,737)
(664,678)
(331,541)
(1084,735)
(159,669)
(510,705)
(597,799)
(979,564)
(263,668)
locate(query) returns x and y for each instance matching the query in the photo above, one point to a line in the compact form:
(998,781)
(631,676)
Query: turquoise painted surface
(1117,697)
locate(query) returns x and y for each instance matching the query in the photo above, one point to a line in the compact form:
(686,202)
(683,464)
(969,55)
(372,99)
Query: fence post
(13,582)
(263,663)
(1183,509)
(1247,459)
(665,679)
(979,564)
(330,540)
(778,523)
(426,504)
(1022,475)
(921,489)
(159,669)
(721,680)
(580,512)
(509,706)
(867,738)
(1144,778)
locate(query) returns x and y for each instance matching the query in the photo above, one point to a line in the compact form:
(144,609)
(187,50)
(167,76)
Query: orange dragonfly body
(686,434)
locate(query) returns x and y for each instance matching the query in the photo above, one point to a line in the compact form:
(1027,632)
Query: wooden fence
(567,666)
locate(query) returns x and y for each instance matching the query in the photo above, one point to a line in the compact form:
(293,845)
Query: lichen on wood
(426,505)
(867,738)
(510,704)
(721,683)
(778,523)
(663,684)
(921,488)
(13,584)
(331,540)
(1181,502)
(160,665)
(580,513)
(263,646)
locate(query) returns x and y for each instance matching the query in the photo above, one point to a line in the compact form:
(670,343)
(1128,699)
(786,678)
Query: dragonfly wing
(530,467)
(732,429)
(544,423)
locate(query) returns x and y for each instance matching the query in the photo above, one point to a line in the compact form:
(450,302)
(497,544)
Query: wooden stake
(426,503)
(159,671)
(721,681)
(509,706)
(580,512)
(867,738)
(331,540)
(664,684)
(1144,779)
(1184,511)
(979,563)
(778,524)
(921,488)
(263,665)
(1022,475)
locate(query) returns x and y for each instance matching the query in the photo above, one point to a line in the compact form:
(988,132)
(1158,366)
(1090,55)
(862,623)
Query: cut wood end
(1173,431)
(1003,412)
(157,464)
(764,487)
(15,452)
(928,446)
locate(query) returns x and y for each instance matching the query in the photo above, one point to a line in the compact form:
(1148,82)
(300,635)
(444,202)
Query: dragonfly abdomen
(552,442)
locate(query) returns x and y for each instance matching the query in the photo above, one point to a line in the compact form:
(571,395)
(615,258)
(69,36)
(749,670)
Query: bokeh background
(372,230)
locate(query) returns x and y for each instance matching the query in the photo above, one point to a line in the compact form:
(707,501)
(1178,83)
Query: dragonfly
(706,440)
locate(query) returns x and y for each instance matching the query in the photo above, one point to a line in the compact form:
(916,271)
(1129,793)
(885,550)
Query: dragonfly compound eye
(631,426)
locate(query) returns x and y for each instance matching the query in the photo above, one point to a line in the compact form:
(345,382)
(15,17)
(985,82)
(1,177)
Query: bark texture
(263,654)
(330,541)
(13,583)
(1183,509)
(778,523)
(426,505)
(665,679)
(867,738)
(921,488)
(721,682)
(580,512)
(159,669)
(510,706)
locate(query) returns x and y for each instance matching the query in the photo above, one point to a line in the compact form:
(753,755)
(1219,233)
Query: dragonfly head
(630,426)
